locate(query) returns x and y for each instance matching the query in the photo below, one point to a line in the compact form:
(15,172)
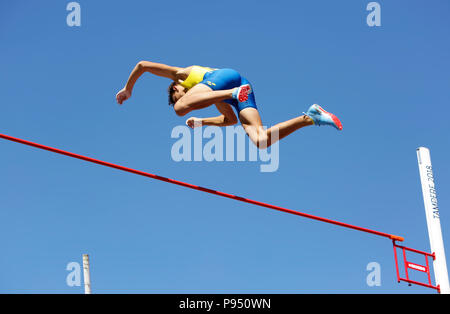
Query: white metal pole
(433,220)
(87,275)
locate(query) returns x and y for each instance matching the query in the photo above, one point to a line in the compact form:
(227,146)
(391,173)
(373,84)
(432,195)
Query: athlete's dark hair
(171,91)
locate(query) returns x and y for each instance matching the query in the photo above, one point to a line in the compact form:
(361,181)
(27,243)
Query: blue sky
(389,85)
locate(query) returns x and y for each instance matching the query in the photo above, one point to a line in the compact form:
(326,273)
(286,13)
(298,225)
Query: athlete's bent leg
(251,122)
(200,96)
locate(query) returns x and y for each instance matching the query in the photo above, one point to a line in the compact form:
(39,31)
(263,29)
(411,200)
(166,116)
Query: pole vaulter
(199,188)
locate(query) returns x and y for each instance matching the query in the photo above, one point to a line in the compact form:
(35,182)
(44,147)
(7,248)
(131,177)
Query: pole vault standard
(86,274)
(433,219)
(199,188)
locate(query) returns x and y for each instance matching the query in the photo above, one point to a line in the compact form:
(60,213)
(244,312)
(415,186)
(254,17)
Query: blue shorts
(227,79)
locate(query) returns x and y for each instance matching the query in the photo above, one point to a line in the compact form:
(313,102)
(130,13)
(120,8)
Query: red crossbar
(195,187)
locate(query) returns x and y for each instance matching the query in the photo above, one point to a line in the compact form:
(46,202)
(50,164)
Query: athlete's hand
(123,95)
(194,122)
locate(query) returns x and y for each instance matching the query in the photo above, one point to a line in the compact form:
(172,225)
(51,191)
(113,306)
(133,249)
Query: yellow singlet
(195,77)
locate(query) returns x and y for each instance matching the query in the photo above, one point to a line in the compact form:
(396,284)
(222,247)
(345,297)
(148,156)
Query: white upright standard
(86,273)
(433,220)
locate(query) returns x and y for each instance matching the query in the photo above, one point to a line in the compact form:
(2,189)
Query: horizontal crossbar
(199,188)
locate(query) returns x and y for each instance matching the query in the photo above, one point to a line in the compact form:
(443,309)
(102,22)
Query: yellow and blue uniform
(220,79)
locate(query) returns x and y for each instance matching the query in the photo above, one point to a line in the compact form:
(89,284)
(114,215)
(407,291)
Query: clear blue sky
(389,85)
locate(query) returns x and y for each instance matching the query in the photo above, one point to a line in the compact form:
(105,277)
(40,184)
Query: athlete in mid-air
(197,87)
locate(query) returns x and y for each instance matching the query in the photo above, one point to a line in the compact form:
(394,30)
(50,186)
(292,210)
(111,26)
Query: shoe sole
(335,119)
(244,90)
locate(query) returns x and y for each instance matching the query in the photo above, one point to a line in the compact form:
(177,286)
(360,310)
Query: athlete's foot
(322,117)
(241,93)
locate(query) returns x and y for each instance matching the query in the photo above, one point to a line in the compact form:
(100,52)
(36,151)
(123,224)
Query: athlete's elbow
(142,64)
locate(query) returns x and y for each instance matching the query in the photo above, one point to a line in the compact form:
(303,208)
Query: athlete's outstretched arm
(158,69)
(226,118)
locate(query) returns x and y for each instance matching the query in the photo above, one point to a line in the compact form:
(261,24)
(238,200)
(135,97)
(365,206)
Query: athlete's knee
(181,108)
(263,143)
(260,140)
